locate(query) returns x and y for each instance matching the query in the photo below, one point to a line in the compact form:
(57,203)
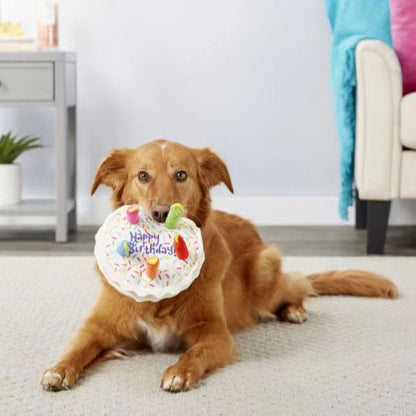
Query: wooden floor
(293,240)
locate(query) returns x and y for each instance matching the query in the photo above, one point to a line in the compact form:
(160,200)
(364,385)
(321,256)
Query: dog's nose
(160,212)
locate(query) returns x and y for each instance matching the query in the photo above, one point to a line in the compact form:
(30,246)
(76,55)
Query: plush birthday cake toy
(146,260)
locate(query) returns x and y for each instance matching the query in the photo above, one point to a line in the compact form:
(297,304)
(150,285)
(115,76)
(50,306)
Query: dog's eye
(181,176)
(144,176)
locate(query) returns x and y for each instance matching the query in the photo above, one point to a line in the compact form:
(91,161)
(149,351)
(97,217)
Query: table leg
(72,126)
(61,155)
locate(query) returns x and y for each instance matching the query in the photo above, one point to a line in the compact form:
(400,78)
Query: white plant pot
(10,184)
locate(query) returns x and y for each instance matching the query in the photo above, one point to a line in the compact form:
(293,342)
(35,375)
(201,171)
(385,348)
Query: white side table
(47,78)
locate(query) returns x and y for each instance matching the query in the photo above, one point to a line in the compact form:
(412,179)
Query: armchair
(385,143)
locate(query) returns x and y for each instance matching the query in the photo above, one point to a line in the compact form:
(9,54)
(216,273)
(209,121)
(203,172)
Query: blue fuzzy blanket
(351,21)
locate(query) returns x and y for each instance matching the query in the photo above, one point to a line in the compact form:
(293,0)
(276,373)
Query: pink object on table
(48,23)
(133,214)
(403,29)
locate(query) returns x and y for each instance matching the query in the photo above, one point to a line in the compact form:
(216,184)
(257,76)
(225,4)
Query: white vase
(10,184)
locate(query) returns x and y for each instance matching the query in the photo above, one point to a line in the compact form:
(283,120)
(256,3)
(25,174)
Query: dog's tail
(353,283)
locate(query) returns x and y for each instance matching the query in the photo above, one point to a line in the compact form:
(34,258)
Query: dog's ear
(213,169)
(112,171)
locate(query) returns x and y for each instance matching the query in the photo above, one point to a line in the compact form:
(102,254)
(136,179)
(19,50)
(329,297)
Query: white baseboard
(278,210)
(283,210)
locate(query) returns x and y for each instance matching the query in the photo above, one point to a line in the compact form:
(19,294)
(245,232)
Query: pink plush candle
(133,214)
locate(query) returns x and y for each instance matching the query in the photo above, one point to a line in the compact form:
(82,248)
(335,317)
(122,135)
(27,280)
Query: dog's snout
(160,212)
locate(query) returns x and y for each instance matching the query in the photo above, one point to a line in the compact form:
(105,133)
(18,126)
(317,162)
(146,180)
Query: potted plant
(11,147)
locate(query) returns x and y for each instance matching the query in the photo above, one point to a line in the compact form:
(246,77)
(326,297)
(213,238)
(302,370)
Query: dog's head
(161,173)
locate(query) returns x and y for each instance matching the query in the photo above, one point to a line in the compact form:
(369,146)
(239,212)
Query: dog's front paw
(60,377)
(177,378)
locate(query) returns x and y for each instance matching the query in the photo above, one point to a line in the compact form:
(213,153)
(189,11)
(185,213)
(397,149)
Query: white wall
(249,78)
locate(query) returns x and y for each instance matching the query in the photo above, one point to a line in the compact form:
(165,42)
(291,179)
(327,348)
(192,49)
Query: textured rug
(352,357)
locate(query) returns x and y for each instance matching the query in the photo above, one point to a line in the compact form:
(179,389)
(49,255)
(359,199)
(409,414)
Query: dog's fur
(241,281)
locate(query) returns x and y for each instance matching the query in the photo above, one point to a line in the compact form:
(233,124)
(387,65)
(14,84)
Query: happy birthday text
(148,243)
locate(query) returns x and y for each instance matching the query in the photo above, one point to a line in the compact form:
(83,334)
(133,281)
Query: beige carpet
(353,356)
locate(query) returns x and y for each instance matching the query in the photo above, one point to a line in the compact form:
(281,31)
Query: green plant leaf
(11,147)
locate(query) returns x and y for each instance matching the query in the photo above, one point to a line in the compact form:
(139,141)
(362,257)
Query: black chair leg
(360,213)
(377,221)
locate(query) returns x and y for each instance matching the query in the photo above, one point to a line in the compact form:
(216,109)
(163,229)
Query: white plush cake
(144,259)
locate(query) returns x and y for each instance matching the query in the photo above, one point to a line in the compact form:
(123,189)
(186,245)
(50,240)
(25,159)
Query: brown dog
(241,281)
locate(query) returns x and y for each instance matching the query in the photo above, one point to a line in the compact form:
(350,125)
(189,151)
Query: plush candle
(133,214)
(175,212)
(152,267)
(180,247)
(123,249)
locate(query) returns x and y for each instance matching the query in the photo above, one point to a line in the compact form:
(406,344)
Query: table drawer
(26,81)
